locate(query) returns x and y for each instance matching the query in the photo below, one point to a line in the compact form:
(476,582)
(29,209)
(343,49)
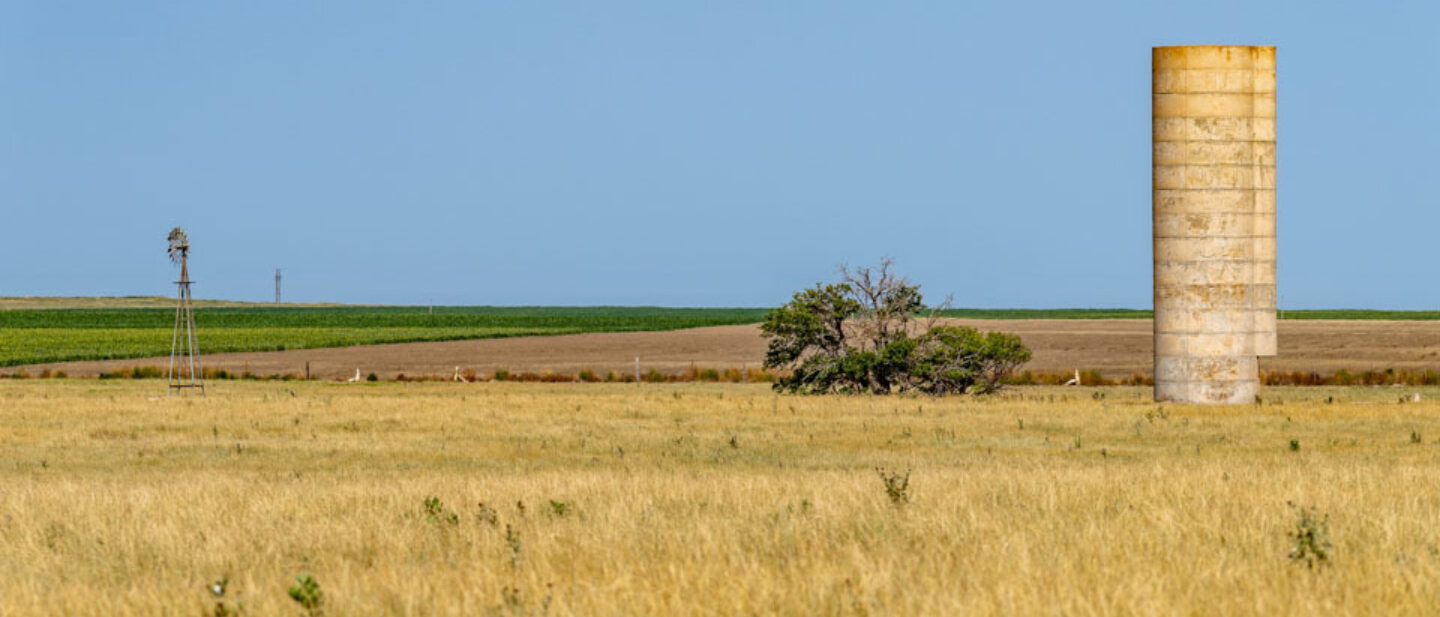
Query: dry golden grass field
(600,499)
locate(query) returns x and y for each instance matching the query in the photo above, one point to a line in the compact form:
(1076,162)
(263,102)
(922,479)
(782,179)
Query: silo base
(1208,392)
(1215,380)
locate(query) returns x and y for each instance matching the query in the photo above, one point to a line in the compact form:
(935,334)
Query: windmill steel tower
(277,286)
(1213,115)
(185,368)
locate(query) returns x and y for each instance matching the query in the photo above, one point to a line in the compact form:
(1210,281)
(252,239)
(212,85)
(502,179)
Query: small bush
(217,589)
(487,514)
(1026,378)
(512,538)
(436,512)
(897,486)
(1138,379)
(135,372)
(559,508)
(307,593)
(1311,538)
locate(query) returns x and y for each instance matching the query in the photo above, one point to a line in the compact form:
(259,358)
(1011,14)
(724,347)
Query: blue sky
(683,153)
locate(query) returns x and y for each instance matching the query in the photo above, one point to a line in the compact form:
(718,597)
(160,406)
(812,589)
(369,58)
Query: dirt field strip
(1115,347)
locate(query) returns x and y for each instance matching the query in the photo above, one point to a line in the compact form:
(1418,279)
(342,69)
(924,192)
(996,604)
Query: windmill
(185,369)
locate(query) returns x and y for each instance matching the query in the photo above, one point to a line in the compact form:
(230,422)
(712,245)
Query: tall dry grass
(708,500)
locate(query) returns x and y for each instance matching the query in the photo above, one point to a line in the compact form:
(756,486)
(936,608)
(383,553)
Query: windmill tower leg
(197,372)
(175,345)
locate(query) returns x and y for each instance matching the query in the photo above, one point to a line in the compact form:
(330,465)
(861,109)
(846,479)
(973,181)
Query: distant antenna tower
(277,286)
(185,369)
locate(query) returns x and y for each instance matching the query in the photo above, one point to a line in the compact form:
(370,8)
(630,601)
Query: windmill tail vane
(185,368)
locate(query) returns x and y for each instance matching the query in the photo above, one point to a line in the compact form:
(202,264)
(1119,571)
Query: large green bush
(866,335)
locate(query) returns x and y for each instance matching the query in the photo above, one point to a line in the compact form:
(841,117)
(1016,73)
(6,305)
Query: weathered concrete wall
(1214,215)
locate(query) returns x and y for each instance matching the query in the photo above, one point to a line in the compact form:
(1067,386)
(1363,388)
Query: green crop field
(104,329)
(59,335)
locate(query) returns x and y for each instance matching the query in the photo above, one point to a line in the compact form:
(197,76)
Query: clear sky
(683,153)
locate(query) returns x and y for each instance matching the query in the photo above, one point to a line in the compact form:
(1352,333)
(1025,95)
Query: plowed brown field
(1117,348)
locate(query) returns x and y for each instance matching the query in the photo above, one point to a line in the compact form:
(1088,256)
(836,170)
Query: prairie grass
(709,499)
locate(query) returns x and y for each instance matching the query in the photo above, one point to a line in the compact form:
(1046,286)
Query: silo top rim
(1216,47)
(1214,57)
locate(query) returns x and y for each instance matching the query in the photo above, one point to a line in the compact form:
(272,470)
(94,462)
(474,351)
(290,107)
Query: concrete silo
(1213,111)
